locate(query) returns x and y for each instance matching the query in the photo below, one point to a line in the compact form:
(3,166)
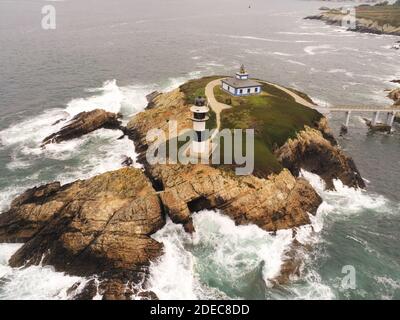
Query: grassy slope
(389,14)
(195,88)
(274,115)
(380,14)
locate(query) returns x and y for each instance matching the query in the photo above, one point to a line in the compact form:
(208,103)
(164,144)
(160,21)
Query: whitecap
(31,283)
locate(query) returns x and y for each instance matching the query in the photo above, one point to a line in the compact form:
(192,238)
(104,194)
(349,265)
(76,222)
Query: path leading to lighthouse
(218,107)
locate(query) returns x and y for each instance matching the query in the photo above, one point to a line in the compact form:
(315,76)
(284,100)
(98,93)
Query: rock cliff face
(312,152)
(99,226)
(165,107)
(84,123)
(280,202)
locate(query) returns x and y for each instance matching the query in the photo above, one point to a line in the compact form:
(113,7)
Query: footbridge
(381,116)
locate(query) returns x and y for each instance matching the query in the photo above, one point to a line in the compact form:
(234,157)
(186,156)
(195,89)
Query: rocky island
(381,18)
(101,228)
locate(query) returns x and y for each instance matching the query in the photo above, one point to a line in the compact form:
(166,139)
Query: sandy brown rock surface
(395,96)
(84,123)
(280,202)
(98,226)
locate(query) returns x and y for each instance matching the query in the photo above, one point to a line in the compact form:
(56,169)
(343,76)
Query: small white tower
(242,74)
(199,117)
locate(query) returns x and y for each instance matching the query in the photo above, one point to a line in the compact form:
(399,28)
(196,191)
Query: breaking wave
(32,283)
(239,262)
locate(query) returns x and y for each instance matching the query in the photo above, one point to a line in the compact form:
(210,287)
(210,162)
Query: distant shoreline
(370,19)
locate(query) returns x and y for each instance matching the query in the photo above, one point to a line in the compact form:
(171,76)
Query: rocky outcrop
(165,107)
(281,202)
(84,123)
(335,17)
(98,226)
(378,127)
(312,152)
(395,96)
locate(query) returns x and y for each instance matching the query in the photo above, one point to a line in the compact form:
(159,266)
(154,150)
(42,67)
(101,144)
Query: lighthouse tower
(199,117)
(242,74)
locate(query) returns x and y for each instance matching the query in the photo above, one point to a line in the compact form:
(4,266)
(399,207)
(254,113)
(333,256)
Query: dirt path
(216,106)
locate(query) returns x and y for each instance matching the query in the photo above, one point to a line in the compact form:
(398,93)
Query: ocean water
(111,54)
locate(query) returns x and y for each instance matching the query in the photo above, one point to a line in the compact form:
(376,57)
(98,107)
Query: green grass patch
(212,121)
(194,88)
(389,14)
(274,115)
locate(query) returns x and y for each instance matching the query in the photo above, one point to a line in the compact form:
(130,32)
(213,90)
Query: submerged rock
(97,226)
(127,161)
(84,123)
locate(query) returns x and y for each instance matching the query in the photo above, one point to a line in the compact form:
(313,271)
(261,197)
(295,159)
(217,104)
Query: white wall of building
(245,91)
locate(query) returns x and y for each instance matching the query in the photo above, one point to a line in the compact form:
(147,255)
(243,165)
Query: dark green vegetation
(195,88)
(212,121)
(275,117)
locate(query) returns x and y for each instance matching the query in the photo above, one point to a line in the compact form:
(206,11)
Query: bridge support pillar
(391,117)
(348,114)
(375,118)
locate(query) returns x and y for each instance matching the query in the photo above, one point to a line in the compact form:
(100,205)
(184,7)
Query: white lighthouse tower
(199,117)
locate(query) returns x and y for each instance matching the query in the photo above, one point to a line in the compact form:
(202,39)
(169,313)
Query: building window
(240,91)
(256,89)
(248,90)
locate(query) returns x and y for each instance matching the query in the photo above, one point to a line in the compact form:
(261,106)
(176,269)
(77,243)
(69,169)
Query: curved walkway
(218,107)
(296,97)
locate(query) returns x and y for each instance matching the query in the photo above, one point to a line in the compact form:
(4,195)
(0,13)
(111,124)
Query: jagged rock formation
(395,96)
(312,152)
(280,202)
(84,123)
(103,225)
(99,226)
(165,107)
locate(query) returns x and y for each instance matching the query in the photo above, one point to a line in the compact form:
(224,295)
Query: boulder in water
(84,123)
